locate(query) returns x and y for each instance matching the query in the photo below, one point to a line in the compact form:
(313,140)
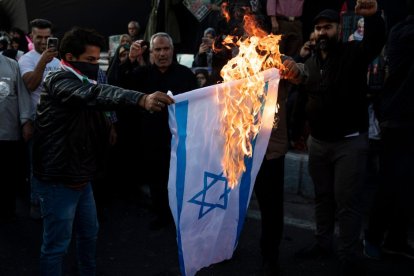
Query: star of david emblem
(213,195)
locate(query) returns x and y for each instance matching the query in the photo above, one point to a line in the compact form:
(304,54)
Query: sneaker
(371,251)
(35,211)
(405,251)
(314,251)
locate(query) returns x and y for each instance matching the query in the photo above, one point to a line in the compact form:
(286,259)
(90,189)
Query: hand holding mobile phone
(52,42)
(207,41)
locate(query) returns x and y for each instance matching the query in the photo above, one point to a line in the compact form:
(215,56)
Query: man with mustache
(338,118)
(164,74)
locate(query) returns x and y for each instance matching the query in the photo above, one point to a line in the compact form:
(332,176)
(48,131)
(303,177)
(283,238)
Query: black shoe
(314,251)
(405,250)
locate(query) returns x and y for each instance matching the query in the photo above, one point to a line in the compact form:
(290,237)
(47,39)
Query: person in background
(285,18)
(392,210)
(204,56)
(15,44)
(34,65)
(70,131)
(121,55)
(269,185)
(15,126)
(21,39)
(358,34)
(298,131)
(125,39)
(203,77)
(134,31)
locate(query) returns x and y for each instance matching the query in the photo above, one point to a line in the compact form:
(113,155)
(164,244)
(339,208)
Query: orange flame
(225,11)
(241,113)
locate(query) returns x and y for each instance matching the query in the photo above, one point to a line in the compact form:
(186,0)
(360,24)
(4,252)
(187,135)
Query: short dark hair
(76,40)
(40,24)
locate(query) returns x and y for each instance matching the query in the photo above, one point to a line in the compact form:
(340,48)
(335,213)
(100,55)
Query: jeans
(62,209)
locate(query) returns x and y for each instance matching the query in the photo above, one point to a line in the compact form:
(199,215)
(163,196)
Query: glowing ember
(241,113)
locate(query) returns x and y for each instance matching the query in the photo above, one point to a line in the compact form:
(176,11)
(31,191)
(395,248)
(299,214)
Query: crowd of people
(83,129)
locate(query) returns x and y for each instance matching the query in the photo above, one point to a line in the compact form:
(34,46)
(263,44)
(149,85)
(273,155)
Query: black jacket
(154,129)
(337,86)
(70,128)
(397,99)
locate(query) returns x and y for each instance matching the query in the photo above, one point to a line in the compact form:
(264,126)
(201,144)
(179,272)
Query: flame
(242,106)
(225,11)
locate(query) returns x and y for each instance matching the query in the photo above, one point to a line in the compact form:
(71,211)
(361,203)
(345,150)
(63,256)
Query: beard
(326,44)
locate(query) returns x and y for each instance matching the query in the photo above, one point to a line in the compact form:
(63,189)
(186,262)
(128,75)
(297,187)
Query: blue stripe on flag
(181,113)
(244,192)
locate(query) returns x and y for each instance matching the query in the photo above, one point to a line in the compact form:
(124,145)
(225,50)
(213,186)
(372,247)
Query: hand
(48,55)
(203,48)
(27,131)
(305,50)
(366,7)
(291,71)
(156,101)
(136,50)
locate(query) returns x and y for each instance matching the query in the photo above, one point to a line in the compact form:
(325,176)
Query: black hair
(23,44)
(76,40)
(40,24)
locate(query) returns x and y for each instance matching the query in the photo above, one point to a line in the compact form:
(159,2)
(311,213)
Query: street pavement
(128,246)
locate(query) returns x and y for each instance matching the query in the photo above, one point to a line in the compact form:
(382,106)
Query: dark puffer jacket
(71,128)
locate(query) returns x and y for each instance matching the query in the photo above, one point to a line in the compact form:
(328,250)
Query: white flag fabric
(208,214)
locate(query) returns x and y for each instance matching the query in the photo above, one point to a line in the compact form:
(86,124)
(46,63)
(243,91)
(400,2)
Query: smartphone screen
(52,42)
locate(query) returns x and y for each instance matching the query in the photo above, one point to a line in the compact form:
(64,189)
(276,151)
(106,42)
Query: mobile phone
(52,42)
(207,41)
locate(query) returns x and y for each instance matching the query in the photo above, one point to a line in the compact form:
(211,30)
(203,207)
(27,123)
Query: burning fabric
(208,213)
(242,104)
